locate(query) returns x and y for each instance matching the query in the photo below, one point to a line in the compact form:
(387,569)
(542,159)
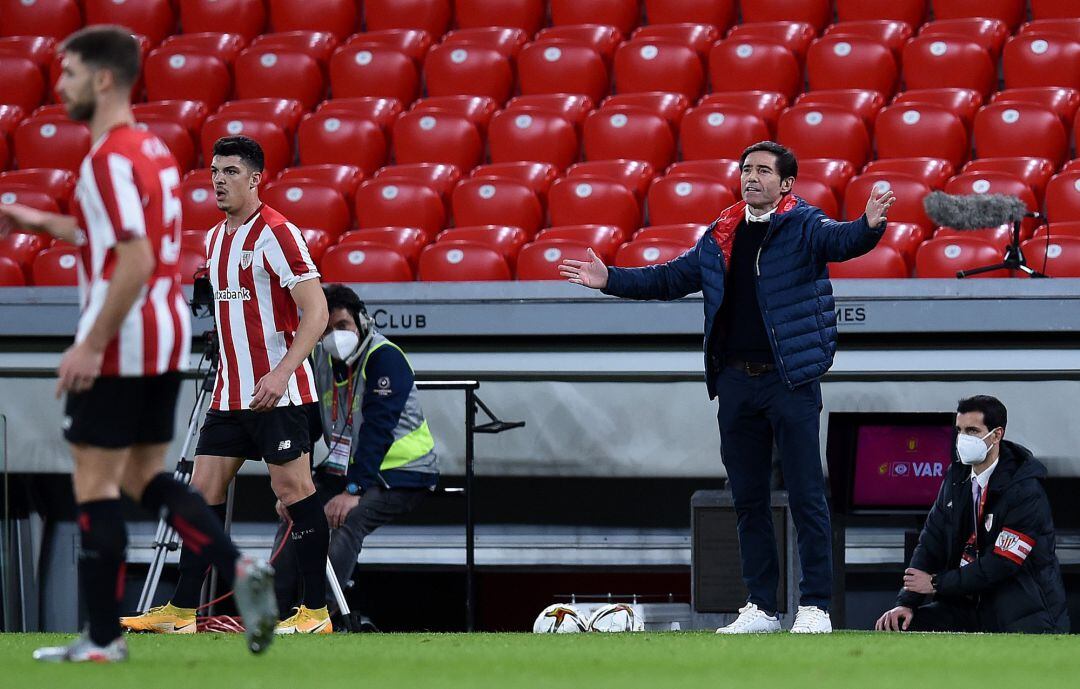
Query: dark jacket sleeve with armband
(386,390)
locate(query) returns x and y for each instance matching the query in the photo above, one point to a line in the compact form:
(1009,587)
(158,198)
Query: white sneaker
(83,650)
(811,620)
(752,620)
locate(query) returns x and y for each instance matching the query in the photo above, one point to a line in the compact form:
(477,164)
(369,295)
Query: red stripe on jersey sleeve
(253,316)
(290,249)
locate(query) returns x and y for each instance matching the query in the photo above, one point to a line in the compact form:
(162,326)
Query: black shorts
(119,412)
(277,436)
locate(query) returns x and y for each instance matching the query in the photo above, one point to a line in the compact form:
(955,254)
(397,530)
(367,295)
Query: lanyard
(978,509)
(349,388)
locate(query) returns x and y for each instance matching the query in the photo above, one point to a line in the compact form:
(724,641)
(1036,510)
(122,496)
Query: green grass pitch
(524,661)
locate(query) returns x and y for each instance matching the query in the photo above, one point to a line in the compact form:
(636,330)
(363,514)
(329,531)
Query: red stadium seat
(392,202)
(381,111)
(537,176)
(574,107)
(1058,258)
(912,12)
(797,36)
(262,72)
(494,201)
(624,15)
(5,153)
(540,260)
(227,46)
(317,242)
(338,17)
(933,172)
(882,263)
(41,50)
(907,131)
(462,261)
(605,240)
(824,131)
(318,45)
(440,177)
(687,199)
(341,138)
(1042,60)
(58,184)
(415,43)
(190,263)
(432,16)
(1071,166)
(373,71)
(697,37)
(433,137)
(309,204)
(635,175)
(948,61)
(407,241)
(988,33)
(151,18)
(189,113)
(656,65)
(817,13)
(454,69)
(943,257)
(720,131)
(963,102)
(503,239)
(198,205)
(1057,229)
(905,238)
(1047,9)
(865,104)
(999,237)
(244,17)
(603,38)
(364,262)
(11,275)
(277,149)
(193,240)
(57,267)
(21,82)
(909,193)
(27,196)
(726,171)
(506,40)
(53,18)
(718,13)
(284,112)
(817,193)
(1020,129)
(1034,172)
(891,33)
(768,105)
(528,15)
(851,62)
(21,248)
(177,74)
(593,200)
(562,67)
(1069,26)
(992,182)
(1063,197)
(533,134)
(1064,101)
(685,236)
(175,136)
(670,106)
(53,141)
(344,178)
(1012,12)
(628,132)
(832,172)
(736,65)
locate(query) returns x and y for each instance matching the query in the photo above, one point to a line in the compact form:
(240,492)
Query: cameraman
(382,459)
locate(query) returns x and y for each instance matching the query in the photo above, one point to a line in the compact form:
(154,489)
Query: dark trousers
(945,616)
(755,411)
(378,506)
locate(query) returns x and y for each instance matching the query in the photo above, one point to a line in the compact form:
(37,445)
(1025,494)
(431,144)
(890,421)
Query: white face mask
(339,344)
(971,449)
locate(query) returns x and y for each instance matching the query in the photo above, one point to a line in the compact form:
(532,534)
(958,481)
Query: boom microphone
(974,211)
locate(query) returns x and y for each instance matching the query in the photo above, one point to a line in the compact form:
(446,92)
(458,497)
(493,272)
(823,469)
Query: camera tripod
(1013,259)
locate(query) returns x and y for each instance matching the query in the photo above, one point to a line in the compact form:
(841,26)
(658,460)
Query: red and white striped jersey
(127,190)
(252,270)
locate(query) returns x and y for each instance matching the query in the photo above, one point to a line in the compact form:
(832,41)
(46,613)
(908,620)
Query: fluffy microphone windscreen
(973,211)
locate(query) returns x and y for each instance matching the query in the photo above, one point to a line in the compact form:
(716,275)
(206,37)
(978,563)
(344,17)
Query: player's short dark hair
(786,163)
(994,413)
(341,297)
(247,149)
(106,46)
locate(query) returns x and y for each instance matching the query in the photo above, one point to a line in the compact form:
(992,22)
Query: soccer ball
(559,619)
(616,617)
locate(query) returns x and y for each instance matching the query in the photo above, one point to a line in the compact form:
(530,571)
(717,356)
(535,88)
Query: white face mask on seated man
(341,344)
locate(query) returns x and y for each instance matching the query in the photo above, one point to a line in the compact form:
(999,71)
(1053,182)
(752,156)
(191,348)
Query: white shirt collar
(984,477)
(750,217)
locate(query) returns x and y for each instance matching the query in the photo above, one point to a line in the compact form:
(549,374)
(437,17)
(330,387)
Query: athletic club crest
(245,259)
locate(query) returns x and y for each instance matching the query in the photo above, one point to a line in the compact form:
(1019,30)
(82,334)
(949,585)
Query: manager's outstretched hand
(592,273)
(877,206)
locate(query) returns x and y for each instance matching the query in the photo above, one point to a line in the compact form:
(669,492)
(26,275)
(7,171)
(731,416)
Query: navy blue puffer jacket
(794,291)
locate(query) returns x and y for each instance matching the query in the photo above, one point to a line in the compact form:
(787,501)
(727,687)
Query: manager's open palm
(592,273)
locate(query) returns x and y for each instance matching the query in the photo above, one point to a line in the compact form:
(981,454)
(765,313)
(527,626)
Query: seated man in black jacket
(985,560)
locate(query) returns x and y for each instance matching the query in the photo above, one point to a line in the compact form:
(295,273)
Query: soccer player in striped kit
(270,312)
(122,375)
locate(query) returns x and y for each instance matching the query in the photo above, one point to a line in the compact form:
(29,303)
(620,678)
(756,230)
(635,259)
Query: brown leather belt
(750,368)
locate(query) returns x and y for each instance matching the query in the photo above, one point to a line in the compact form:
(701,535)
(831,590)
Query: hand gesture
(282,511)
(592,273)
(14,215)
(877,206)
(896,620)
(268,391)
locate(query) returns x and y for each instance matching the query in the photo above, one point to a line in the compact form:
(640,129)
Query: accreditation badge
(337,462)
